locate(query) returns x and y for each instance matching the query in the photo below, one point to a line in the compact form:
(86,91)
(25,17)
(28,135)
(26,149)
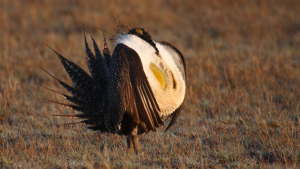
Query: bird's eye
(139,31)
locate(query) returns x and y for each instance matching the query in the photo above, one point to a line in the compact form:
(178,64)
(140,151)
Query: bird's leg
(132,141)
(129,143)
(135,141)
(143,125)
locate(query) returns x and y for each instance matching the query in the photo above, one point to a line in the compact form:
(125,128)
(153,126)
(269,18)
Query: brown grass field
(243,80)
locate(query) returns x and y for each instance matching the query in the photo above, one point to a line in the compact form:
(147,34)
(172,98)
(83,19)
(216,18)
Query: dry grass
(243,77)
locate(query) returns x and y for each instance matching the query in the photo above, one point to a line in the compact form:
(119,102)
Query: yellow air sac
(158,74)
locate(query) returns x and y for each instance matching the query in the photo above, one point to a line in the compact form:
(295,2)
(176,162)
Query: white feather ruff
(168,99)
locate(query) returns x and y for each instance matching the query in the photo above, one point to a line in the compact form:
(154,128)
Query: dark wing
(180,62)
(138,99)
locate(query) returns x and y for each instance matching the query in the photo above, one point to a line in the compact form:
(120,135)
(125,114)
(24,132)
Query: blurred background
(243,78)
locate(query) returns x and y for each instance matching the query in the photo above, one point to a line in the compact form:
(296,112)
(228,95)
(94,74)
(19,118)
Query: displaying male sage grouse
(131,92)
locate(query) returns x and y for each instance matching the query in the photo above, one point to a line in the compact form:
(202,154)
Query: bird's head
(140,32)
(143,34)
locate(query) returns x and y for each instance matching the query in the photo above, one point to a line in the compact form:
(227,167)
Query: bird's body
(131,92)
(162,72)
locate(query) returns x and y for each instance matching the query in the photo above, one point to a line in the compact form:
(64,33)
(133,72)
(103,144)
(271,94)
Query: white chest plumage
(169,91)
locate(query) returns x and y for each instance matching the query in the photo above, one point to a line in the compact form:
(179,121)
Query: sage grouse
(131,92)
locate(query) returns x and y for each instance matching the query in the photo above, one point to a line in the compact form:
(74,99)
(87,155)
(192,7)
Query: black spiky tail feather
(87,93)
(106,52)
(96,65)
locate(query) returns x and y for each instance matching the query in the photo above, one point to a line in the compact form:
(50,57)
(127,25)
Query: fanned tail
(88,91)
(96,65)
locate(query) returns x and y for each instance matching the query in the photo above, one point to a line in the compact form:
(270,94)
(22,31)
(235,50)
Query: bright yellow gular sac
(158,74)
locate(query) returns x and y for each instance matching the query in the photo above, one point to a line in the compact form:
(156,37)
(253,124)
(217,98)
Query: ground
(243,78)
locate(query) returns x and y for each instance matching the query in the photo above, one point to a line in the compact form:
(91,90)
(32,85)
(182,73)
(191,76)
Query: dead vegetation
(243,72)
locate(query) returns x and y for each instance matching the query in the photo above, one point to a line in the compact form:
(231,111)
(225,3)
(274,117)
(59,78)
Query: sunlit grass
(243,78)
